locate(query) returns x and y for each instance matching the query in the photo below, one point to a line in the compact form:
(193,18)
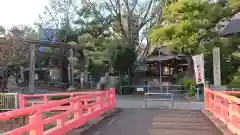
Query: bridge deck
(155,122)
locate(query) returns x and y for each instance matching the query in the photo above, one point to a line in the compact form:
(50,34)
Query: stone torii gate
(58,50)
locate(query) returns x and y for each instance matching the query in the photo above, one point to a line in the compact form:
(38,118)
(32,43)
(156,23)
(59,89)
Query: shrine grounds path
(155,121)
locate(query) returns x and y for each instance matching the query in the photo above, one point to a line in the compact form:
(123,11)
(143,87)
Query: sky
(17,12)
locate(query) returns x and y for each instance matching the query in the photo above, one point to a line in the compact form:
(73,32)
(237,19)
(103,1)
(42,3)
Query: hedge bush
(190,85)
(235,82)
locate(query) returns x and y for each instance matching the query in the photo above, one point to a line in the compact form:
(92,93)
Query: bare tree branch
(148,10)
(101,17)
(130,18)
(111,9)
(127,6)
(115,10)
(154,15)
(145,15)
(13,50)
(118,8)
(145,53)
(135,2)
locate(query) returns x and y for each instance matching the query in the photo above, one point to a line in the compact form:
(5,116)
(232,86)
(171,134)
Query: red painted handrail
(81,108)
(225,107)
(26,100)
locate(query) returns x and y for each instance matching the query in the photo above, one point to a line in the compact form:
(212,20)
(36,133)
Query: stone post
(32,69)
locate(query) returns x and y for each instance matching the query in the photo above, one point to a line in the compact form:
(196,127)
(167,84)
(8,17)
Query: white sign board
(199,68)
(140,89)
(216,66)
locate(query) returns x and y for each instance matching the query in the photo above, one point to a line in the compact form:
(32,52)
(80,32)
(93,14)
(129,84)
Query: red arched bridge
(52,114)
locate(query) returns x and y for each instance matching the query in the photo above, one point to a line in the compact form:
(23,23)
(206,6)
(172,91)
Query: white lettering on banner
(199,68)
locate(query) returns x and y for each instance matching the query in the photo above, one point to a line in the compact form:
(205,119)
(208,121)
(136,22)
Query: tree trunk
(130,75)
(190,72)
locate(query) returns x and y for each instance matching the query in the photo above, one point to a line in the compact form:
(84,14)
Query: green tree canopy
(189,27)
(234,4)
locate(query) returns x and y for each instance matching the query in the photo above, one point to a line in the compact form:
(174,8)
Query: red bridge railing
(80,109)
(225,106)
(26,100)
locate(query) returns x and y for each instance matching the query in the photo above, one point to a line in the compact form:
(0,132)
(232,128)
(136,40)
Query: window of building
(166,71)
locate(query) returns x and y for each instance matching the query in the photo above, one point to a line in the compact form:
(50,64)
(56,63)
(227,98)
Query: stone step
(180,132)
(178,119)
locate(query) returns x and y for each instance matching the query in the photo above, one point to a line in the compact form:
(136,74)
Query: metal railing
(178,91)
(9,101)
(167,88)
(155,88)
(147,95)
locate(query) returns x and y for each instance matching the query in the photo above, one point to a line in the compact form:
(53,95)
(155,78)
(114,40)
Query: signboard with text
(199,68)
(140,65)
(47,35)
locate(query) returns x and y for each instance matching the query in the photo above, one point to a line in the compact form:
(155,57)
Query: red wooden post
(45,98)
(60,123)
(22,101)
(77,110)
(71,103)
(100,100)
(230,111)
(85,103)
(113,97)
(110,98)
(37,121)
(206,105)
